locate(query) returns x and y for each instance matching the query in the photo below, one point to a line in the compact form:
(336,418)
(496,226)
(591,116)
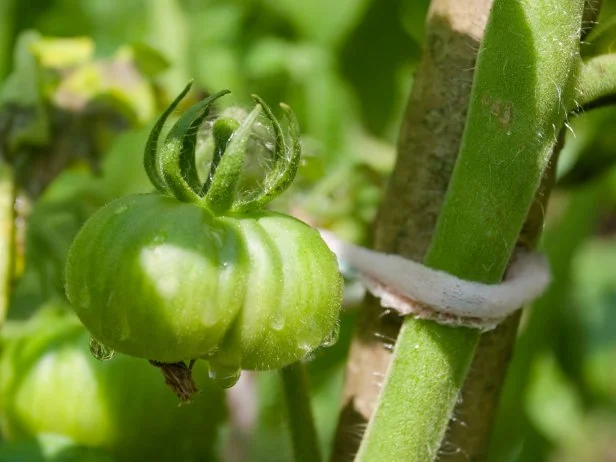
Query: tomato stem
(301,421)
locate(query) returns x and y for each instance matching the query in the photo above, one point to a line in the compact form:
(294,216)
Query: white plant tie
(410,288)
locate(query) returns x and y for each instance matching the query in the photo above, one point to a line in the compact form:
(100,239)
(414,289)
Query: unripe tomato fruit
(171,279)
(191,272)
(51,384)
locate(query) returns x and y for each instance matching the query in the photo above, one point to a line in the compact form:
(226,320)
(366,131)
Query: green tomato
(50,384)
(161,279)
(191,271)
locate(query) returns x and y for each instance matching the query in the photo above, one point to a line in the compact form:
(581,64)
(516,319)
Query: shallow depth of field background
(346,68)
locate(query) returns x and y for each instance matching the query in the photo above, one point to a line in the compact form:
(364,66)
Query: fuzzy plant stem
(518,103)
(301,422)
(428,145)
(7,201)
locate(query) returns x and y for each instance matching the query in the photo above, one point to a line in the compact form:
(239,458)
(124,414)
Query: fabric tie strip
(412,289)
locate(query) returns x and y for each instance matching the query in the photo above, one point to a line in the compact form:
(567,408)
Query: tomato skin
(157,278)
(50,384)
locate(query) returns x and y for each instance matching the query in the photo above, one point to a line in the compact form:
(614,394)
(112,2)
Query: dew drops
(278,323)
(332,337)
(305,347)
(100,351)
(223,375)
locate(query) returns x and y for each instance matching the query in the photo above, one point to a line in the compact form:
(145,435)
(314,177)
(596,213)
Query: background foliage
(345,68)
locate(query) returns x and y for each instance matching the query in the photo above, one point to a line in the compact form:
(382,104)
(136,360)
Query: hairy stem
(468,435)
(504,152)
(301,422)
(428,145)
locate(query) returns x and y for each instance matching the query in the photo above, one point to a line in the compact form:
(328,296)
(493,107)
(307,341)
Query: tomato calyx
(172,169)
(178,377)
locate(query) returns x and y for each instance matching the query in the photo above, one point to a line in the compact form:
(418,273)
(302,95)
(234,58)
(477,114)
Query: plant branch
(504,152)
(428,145)
(596,81)
(301,422)
(468,435)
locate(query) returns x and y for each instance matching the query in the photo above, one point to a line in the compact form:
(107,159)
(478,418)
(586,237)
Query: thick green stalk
(301,422)
(429,141)
(7,201)
(518,104)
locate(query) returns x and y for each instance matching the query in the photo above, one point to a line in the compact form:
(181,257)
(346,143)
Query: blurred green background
(346,68)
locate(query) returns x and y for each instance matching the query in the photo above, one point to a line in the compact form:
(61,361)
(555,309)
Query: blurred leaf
(372,59)
(594,281)
(592,152)
(414,18)
(552,403)
(23,118)
(147,60)
(321,21)
(59,52)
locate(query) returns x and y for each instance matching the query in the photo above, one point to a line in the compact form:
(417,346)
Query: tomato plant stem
(512,128)
(7,201)
(301,422)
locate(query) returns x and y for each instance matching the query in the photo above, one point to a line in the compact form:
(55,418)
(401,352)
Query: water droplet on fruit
(305,347)
(100,351)
(224,376)
(332,337)
(278,322)
(121,209)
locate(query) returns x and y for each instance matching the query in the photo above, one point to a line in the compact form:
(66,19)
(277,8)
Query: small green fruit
(51,384)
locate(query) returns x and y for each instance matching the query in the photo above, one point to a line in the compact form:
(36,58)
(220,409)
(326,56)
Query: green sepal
(222,131)
(151,161)
(221,193)
(178,152)
(286,161)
